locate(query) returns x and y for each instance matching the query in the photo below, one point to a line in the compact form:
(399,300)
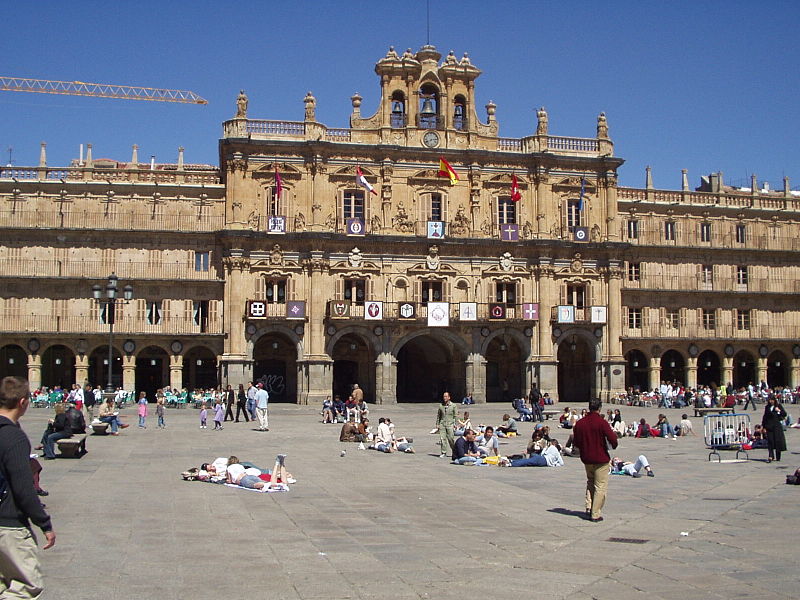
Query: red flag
(278,184)
(516,196)
(445,170)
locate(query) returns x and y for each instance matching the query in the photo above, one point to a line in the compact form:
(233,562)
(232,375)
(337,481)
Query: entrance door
(576,371)
(272,373)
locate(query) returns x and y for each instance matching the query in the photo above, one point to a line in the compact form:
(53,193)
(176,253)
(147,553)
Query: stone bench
(72,447)
(100,428)
(719,410)
(549,413)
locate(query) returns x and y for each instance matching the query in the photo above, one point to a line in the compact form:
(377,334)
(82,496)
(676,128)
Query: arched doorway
(353,362)
(428,366)
(673,367)
(504,370)
(777,369)
(152,371)
(275,365)
(636,372)
(744,369)
(98,367)
(576,370)
(708,369)
(58,367)
(13,361)
(199,369)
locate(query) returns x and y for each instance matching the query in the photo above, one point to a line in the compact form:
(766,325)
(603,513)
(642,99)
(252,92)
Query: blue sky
(705,86)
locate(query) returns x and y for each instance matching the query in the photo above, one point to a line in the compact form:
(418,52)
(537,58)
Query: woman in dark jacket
(772,422)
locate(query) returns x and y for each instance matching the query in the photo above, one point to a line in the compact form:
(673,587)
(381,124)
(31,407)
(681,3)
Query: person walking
(230,400)
(772,422)
(262,404)
(591,434)
(20,573)
(142,409)
(241,404)
(445,422)
(89,402)
(251,401)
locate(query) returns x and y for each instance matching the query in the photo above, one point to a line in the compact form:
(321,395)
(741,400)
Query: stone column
(176,372)
(34,371)
(476,377)
(81,369)
(654,372)
(314,379)
(614,332)
(794,373)
(762,369)
(234,359)
(129,373)
(691,372)
(386,379)
(727,369)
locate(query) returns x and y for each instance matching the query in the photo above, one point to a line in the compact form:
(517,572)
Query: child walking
(219,414)
(203,416)
(160,410)
(142,409)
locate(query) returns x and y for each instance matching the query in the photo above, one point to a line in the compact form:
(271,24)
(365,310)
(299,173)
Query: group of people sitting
(245,474)
(354,408)
(662,428)
(382,440)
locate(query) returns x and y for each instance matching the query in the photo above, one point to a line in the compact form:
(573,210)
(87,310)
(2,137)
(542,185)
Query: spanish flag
(445,170)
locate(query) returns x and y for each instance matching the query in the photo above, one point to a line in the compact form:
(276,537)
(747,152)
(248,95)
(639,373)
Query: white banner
(467,311)
(438,314)
(373,311)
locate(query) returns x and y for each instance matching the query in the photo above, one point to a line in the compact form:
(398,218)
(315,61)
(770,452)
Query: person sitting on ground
(401,444)
(541,454)
(467,399)
(364,434)
(570,449)
(685,426)
(525,413)
(564,419)
(665,429)
(509,426)
(617,424)
(339,409)
(383,437)
(465,451)
(487,443)
(108,414)
(643,431)
(351,409)
(625,467)
(349,432)
(463,424)
(327,410)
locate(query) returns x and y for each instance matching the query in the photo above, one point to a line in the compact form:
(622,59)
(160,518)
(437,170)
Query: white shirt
(262,398)
(235,472)
(553,456)
(384,434)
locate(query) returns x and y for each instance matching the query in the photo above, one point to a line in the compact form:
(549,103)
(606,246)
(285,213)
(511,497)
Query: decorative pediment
(286,171)
(365,269)
(574,183)
(504,180)
(443,269)
(428,175)
(264,268)
(516,272)
(348,174)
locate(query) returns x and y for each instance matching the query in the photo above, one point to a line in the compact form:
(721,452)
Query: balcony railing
(719,284)
(764,202)
(114,220)
(688,235)
(391,312)
(719,332)
(94,269)
(84,324)
(196,174)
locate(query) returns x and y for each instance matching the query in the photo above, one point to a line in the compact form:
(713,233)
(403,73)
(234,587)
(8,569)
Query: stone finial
(491,109)
(786,189)
(43,154)
(753,184)
(356,100)
(648,178)
(135,156)
(541,121)
(89,161)
(311,105)
(602,126)
(241,105)
(408,53)
(684,180)
(180,158)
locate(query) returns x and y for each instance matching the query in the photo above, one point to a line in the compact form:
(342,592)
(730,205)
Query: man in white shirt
(487,443)
(262,403)
(251,400)
(383,437)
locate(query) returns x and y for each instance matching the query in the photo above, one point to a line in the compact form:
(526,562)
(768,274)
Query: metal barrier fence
(726,432)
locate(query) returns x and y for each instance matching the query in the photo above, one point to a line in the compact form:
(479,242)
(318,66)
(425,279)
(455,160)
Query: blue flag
(583,189)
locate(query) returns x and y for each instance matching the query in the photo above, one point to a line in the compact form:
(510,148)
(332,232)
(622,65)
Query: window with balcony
(275,291)
(573,215)
(108,313)
(154,312)
(709,319)
(634,271)
(506,210)
(741,276)
(741,233)
(742,319)
(672,320)
(200,314)
(505,293)
(353,204)
(432,291)
(634,318)
(355,290)
(202,260)
(633,229)
(669,231)
(705,232)
(707,276)
(435,207)
(576,295)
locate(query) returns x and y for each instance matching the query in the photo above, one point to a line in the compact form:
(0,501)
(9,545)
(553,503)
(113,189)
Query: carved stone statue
(527,230)
(505,261)
(276,256)
(602,126)
(376,223)
(355,258)
(595,234)
(432,260)
(401,221)
(460,224)
(330,222)
(451,58)
(300,222)
(241,105)
(311,105)
(541,121)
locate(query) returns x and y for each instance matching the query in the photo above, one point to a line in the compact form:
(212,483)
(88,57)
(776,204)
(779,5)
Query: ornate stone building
(317,257)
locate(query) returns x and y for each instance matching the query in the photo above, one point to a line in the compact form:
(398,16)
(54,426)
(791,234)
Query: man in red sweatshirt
(590,434)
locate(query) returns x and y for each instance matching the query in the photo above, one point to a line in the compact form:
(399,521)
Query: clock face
(431,139)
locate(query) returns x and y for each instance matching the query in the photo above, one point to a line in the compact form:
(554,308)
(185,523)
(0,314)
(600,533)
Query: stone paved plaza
(370,525)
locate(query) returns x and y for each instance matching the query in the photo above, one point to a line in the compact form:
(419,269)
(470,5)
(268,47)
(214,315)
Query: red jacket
(590,435)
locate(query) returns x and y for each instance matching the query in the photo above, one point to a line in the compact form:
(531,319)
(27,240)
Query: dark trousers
(229,412)
(241,408)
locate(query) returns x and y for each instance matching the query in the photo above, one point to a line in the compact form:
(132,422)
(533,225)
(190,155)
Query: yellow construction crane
(98,90)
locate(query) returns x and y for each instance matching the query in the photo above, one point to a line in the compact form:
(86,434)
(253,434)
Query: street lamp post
(110,302)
